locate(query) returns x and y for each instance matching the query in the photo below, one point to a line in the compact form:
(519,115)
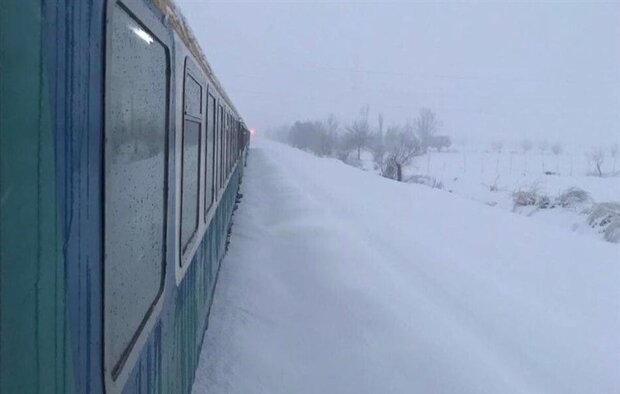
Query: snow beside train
(341,281)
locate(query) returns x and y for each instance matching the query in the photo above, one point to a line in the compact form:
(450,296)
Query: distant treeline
(392,147)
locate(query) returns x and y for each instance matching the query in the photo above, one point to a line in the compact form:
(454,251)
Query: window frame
(222,128)
(210,140)
(116,372)
(227,146)
(191,71)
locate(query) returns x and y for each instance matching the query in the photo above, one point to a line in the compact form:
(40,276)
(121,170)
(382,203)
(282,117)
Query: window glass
(189,199)
(236,140)
(221,147)
(227,146)
(210,146)
(228,141)
(135,181)
(193,96)
(217,152)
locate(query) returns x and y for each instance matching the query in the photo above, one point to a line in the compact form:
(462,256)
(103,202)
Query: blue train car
(120,162)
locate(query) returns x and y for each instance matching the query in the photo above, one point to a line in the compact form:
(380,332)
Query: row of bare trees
(596,156)
(392,147)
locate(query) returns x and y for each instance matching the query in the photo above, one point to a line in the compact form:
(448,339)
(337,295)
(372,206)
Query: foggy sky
(489,70)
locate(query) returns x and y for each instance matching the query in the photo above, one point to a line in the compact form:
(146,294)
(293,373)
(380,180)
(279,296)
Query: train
(121,158)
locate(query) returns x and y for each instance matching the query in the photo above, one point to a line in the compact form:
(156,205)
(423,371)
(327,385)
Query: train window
(225,147)
(216,153)
(232,142)
(221,148)
(229,140)
(226,140)
(210,155)
(230,129)
(220,136)
(237,134)
(190,160)
(135,155)
(193,96)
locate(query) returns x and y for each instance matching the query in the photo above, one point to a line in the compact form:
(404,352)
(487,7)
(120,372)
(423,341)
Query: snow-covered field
(491,178)
(340,281)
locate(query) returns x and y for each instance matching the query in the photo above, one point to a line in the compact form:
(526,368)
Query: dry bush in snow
(572,197)
(612,232)
(530,197)
(607,216)
(426,180)
(603,213)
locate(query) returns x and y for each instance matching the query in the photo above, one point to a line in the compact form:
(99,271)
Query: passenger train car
(120,162)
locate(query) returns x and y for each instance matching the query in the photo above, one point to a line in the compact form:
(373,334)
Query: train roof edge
(177,21)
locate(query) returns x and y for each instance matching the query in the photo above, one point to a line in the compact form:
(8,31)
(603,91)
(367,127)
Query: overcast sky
(490,70)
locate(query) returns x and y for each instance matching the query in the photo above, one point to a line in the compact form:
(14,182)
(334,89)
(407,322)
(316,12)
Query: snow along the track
(339,281)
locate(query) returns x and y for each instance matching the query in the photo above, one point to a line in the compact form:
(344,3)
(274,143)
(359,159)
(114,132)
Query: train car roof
(177,21)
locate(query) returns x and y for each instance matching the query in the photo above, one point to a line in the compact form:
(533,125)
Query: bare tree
(402,146)
(305,135)
(613,150)
(497,146)
(439,142)
(328,136)
(377,145)
(359,132)
(557,148)
(426,126)
(344,147)
(526,145)
(597,158)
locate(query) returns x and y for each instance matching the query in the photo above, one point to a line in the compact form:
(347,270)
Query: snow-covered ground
(491,178)
(340,281)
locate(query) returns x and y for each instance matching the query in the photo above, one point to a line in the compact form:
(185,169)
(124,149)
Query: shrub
(530,197)
(612,232)
(426,180)
(606,215)
(572,197)
(602,214)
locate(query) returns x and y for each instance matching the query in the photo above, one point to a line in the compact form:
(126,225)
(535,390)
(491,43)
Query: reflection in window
(210,158)
(220,165)
(135,181)
(193,96)
(189,202)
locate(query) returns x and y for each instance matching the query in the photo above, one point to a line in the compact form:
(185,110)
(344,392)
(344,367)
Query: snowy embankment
(491,178)
(339,281)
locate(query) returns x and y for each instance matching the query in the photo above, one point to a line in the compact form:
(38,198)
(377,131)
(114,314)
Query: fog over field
(490,70)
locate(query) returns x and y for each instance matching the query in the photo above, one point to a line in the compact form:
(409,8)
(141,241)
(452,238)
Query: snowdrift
(339,281)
